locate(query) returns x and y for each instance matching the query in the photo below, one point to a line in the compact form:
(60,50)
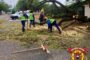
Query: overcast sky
(13,2)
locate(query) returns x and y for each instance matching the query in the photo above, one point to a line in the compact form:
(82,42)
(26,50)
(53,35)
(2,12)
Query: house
(87,10)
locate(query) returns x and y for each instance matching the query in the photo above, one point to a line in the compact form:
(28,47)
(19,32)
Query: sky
(14,2)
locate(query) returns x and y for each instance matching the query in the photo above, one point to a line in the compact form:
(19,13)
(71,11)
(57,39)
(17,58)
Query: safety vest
(52,20)
(22,18)
(31,16)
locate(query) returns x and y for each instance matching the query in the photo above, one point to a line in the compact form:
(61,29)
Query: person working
(23,20)
(52,22)
(32,19)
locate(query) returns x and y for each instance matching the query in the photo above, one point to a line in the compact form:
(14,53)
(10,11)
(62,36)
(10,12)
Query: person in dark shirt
(41,18)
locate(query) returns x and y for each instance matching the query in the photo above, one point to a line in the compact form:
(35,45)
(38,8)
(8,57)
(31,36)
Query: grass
(35,37)
(1,21)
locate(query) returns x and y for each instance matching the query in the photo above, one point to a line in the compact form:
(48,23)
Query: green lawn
(40,35)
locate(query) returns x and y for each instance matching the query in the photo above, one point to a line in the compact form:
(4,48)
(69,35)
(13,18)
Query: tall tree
(4,6)
(26,4)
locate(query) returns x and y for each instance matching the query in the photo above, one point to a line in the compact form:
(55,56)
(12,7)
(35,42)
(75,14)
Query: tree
(4,7)
(87,2)
(27,4)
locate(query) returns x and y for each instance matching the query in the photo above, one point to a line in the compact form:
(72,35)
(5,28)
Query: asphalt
(8,47)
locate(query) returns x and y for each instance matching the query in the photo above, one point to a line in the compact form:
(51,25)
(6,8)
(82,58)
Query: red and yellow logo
(78,53)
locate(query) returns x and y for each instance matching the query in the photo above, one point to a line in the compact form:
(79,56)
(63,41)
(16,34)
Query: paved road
(4,17)
(40,55)
(7,47)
